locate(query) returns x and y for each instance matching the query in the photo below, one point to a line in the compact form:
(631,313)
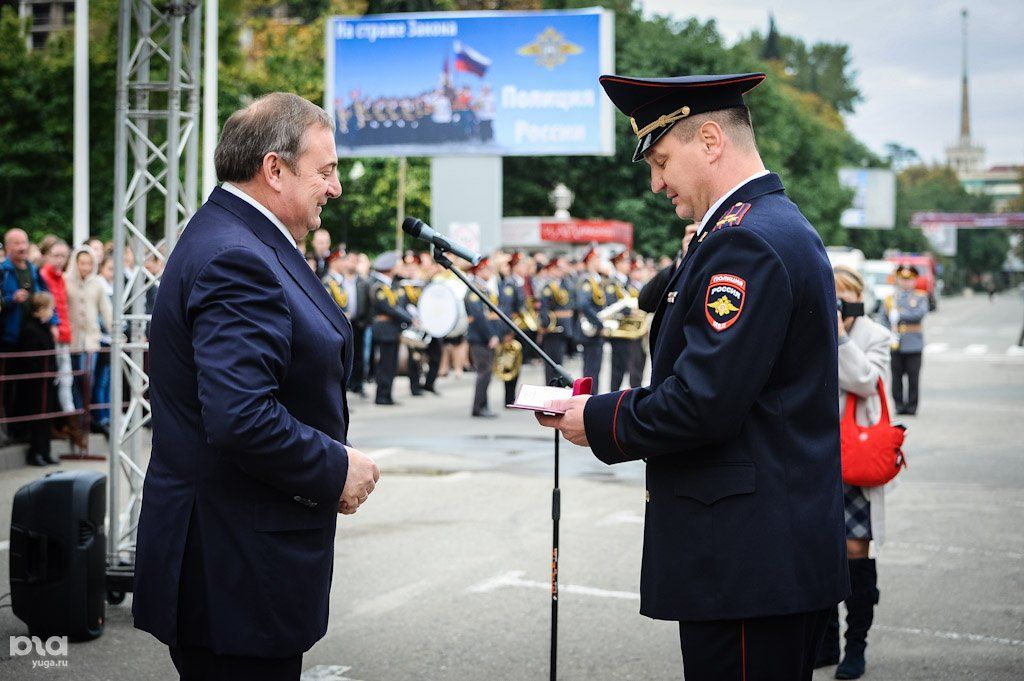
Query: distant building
(1002,183)
(965,156)
(45,17)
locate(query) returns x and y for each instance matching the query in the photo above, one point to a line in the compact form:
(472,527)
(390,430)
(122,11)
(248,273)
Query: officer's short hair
(734,120)
(273,123)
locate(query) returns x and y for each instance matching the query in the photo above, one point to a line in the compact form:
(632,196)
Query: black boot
(828,651)
(860,611)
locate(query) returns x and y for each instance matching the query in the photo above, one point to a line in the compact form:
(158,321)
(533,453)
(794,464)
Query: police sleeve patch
(723,302)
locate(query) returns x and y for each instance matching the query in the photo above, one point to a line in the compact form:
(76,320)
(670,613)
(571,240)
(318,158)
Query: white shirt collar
(228,187)
(715,206)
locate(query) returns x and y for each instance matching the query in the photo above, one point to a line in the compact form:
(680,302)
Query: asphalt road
(443,574)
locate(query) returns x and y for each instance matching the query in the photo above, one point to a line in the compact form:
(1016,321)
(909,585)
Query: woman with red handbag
(863,360)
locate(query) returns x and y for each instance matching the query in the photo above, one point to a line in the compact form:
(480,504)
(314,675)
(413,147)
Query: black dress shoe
(50,461)
(35,460)
(387,403)
(418,393)
(433,390)
(485,414)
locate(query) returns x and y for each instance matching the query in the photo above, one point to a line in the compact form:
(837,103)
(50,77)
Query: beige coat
(87,303)
(863,359)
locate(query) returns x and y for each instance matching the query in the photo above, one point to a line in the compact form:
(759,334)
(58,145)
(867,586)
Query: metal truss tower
(155,171)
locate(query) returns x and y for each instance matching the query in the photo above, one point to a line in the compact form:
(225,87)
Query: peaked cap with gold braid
(654,105)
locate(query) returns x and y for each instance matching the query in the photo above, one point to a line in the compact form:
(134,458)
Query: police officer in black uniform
(591,298)
(408,293)
(617,289)
(744,542)
(389,319)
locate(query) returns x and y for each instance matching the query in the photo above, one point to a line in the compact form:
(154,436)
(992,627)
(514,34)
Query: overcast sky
(907,57)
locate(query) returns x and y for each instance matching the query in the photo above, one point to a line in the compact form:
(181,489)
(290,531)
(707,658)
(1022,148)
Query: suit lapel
(765,184)
(289,257)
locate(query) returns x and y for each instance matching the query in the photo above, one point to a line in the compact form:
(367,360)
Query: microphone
(423,231)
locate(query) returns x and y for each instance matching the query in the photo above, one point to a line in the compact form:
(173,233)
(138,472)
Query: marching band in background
(567,305)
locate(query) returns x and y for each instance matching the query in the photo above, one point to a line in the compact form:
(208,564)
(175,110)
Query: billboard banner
(874,198)
(471,83)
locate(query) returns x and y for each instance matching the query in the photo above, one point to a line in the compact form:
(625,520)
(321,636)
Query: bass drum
(442,310)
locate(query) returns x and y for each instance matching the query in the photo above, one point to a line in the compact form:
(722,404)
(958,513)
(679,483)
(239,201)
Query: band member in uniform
(512,301)
(555,316)
(482,336)
(904,313)
(429,272)
(637,361)
(744,542)
(591,299)
(616,290)
(409,289)
(388,320)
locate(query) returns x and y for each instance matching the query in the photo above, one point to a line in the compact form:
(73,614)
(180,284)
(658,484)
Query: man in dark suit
(250,463)
(744,540)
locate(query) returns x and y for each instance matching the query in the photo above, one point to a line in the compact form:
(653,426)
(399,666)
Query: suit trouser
(905,364)
(553,344)
(637,363)
(434,351)
(482,357)
(593,353)
(780,648)
(387,365)
(620,362)
(200,664)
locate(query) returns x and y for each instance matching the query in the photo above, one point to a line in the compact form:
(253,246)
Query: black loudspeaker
(58,555)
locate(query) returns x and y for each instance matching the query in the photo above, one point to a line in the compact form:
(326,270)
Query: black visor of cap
(654,105)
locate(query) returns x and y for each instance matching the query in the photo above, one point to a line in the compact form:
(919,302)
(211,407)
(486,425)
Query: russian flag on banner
(468,59)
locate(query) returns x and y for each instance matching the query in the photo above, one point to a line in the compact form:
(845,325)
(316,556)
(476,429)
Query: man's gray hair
(273,123)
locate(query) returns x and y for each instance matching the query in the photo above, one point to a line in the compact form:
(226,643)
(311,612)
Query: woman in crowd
(88,305)
(863,360)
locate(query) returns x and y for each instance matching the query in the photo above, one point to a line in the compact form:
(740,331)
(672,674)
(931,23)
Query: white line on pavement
(935,348)
(4,545)
(951,635)
(515,579)
(623,518)
(1015,351)
(326,672)
(381,453)
(976,349)
(958,550)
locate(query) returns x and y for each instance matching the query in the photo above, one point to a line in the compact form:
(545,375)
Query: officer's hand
(493,343)
(363,475)
(842,326)
(571,422)
(20,296)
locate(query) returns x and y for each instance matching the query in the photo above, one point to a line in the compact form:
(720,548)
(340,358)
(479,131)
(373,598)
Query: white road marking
(935,348)
(326,672)
(976,349)
(515,579)
(378,454)
(455,477)
(951,635)
(958,550)
(4,545)
(623,518)
(1015,351)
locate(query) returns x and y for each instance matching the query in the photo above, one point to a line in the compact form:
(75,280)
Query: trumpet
(508,360)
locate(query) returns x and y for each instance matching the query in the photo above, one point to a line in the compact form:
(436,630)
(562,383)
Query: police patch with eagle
(723,301)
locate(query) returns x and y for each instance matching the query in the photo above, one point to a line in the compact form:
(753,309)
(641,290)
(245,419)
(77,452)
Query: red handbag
(871,455)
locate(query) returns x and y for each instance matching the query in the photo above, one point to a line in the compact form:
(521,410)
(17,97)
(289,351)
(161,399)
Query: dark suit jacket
(653,291)
(248,362)
(740,425)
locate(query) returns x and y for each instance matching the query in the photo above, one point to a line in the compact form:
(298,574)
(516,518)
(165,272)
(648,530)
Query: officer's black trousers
(433,351)
(905,364)
(355,381)
(200,664)
(553,344)
(387,366)
(483,363)
(620,362)
(778,648)
(593,353)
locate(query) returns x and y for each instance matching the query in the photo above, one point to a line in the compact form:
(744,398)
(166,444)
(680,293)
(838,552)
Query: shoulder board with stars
(733,217)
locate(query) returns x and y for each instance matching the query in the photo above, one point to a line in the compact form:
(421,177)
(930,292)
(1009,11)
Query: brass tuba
(508,360)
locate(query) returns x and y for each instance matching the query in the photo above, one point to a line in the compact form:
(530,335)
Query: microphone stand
(562,379)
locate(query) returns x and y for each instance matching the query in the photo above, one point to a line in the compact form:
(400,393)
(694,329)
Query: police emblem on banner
(723,302)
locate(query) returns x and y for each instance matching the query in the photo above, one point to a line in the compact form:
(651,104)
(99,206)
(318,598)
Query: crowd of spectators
(56,319)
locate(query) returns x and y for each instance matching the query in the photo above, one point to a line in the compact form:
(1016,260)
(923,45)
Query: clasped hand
(361,480)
